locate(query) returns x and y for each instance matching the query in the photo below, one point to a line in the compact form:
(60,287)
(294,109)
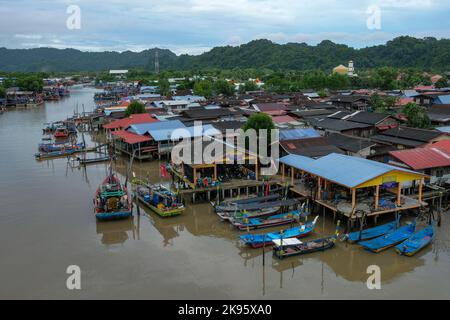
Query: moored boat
(264,212)
(272,221)
(231,205)
(416,242)
(390,239)
(259,240)
(284,248)
(160,199)
(111,200)
(372,233)
(61,133)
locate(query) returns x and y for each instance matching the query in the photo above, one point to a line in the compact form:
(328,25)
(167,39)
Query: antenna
(156,61)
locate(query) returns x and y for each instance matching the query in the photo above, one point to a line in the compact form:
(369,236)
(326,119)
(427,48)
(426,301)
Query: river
(47,223)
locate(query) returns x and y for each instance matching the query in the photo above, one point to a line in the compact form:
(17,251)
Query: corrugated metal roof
(143,128)
(344,170)
(298,134)
(186,132)
(131,138)
(424,158)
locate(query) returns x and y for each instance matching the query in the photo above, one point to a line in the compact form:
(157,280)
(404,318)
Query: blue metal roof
(344,170)
(444,99)
(444,129)
(298,134)
(143,128)
(296,161)
(187,132)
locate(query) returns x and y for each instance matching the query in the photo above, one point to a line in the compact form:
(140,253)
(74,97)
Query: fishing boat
(264,212)
(230,205)
(260,223)
(372,233)
(52,147)
(85,162)
(160,199)
(284,248)
(55,154)
(259,240)
(416,242)
(111,200)
(50,128)
(61,133)
(390,239)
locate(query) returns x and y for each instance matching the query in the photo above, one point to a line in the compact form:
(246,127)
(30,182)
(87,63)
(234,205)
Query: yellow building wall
(393,176)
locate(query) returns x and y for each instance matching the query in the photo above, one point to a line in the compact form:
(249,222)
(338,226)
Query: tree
(442,83)
(224,87)
(135,107)
(2,92)
(382,105)
(259,121)
(417,116)
(385,79)
(164,87)
(204,88)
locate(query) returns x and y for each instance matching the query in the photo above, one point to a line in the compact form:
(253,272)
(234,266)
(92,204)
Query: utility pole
(156,61)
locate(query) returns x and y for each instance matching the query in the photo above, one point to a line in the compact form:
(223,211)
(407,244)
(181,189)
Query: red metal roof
(433,156)
(131,138)
(283,119)
(133,119)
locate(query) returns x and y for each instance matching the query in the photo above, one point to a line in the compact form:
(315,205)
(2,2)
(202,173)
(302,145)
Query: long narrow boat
(85,162)
(416,242)
(272,221)
(372,233)
(256,206)
(259,240)
(160,199)
(55,154)
(390,239)
(264,212)
(52,147)
(230,205)
(111,200)
(284,248)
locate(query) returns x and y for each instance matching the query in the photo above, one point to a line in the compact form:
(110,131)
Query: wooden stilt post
(377,197)
(283,167)
(319,187)
(292,175)
(399,193)
(353,199)
(420,191)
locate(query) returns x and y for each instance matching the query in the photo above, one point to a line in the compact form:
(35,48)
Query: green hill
(402,52)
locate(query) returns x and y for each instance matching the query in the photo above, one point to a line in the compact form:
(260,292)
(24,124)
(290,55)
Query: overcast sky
(194,26)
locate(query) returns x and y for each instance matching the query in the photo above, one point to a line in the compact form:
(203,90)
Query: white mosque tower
(351,69)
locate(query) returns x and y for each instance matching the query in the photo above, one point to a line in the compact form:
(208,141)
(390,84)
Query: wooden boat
(416,242)
(252,214)
(160,199)
(284,248)
(111,200)
(390,239)
(259,240)
(61,133)
(55,154)
(230,205)
(256,206)
(85,162)
(372,232)
(52,147)
(260,223)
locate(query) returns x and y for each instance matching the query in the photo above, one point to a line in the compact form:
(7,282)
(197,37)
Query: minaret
(351,69)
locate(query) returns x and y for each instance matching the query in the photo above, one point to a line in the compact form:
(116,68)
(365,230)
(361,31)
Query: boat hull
(389,240)
(162,213)
(108,216)
(324,244)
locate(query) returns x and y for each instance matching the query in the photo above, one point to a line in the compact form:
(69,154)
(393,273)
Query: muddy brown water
(47,224)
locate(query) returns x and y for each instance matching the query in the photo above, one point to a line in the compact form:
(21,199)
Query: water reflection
(117,232)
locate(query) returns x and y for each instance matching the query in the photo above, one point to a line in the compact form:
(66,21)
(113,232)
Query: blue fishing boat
(272,221)
(259,240)
(390,239)
(372,232)
(416,242)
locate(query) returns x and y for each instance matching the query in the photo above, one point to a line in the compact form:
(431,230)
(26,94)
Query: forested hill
(428,53)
